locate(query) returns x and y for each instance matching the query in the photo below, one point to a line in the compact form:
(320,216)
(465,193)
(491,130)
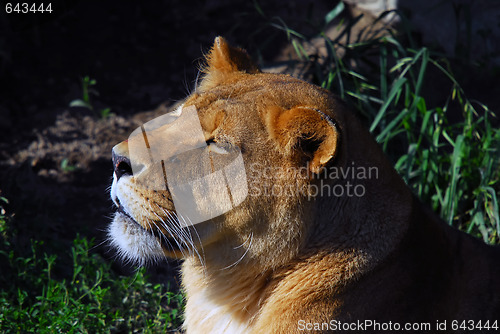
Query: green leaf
(334,12)
(396,88)
(80,103)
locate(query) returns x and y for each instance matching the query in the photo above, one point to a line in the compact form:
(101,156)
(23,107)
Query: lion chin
(288,216)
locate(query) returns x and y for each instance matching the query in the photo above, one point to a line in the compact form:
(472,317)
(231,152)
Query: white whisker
(196,81)
(244,254)
(201,258)
(167,228)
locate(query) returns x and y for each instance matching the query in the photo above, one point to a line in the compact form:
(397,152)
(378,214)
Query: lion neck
(355,223)
(222,300)
(229,284)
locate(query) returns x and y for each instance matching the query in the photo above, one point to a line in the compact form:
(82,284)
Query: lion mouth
(167,242)
(121,210)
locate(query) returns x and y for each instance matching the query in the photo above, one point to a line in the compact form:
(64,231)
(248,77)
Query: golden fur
(277,262)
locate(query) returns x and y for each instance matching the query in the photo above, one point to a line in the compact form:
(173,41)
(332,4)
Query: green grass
(39,294)
(88,90)
(452,166)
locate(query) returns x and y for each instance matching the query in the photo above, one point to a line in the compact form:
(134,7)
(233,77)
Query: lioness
(316,233)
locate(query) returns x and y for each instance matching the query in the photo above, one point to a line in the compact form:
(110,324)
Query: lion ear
(305,134)
(224,58)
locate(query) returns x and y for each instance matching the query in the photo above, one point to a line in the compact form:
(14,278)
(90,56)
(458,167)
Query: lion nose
(121,164)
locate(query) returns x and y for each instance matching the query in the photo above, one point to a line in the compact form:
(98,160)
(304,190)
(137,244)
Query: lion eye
(219,148)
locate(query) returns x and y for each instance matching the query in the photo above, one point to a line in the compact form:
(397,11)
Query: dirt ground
(55,165)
